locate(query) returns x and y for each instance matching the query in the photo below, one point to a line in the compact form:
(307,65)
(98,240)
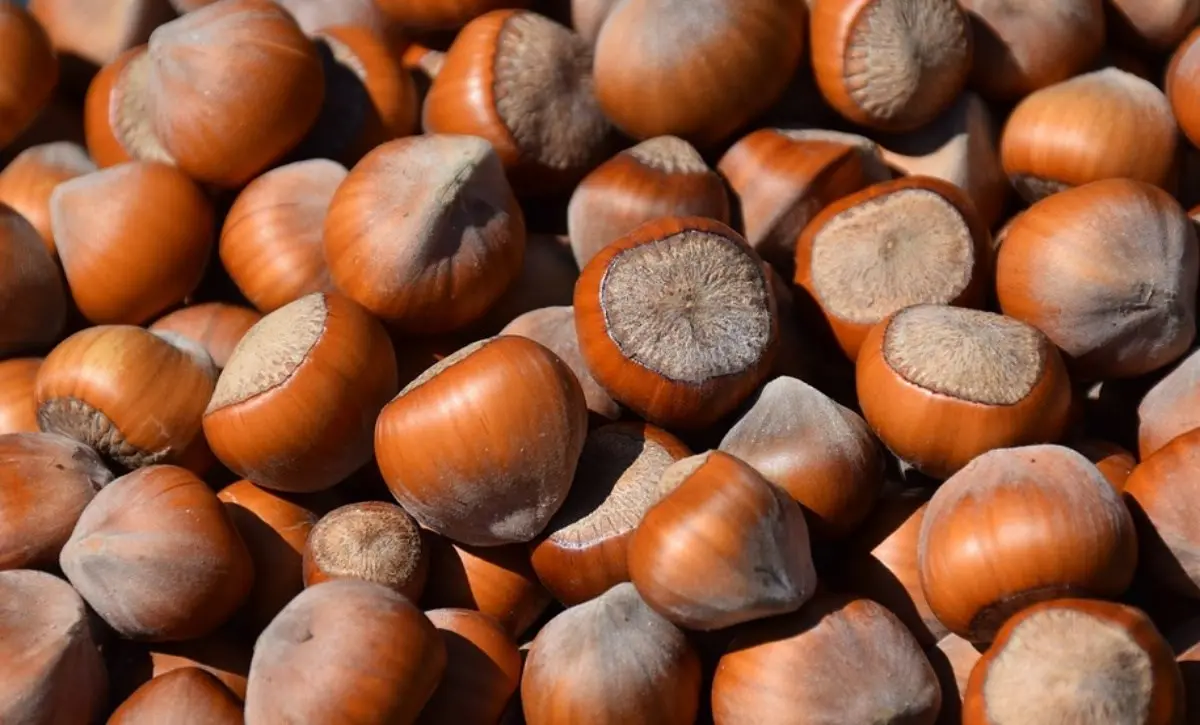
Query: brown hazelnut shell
(655,395)
(188,695)
(612,659)
(50,665)
(450,254)
(1078,131)
(85,391)
(837,660)
(46,481)
(30,70)
(134,240)
(723,547)
(496,580)
(889,69)
(156,555)
(1161,492)
(821,453)
(939,433)
(371,540)
(307,664)
(295,406)
(215,326)
(33,302)
(697,71)
(1091,689)
(582,553)
(483,669)
(18,401)
(271,242)
(662,176)
(226,133)
(275,529)
(1121,299)
(454,447)
(1076,538)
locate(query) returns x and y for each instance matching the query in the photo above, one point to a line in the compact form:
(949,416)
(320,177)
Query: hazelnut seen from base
(941,385)
(677,320)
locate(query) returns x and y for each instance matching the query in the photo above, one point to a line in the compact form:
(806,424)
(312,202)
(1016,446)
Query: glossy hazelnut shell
(724,547)
(654,396)
(1122,302)
(160,532)
(189,694)
(226,133)
(821,453)
(18,403)
(939,434)
(50,665)
(1165,704)
(313,428)
(625,192)
(498,581)
(116,121)
(693,70)
(837,660)
(454,447)
(82,31)
(1022,47)
(1076,538)
(307,664)
(134,240)
(33,302)
(30,70)
(578,569)
(28,180)
(274,529)
(453,250)
(465,98)
(1078,131)
(85,390)
(271,241)
(850,334)
(483,669)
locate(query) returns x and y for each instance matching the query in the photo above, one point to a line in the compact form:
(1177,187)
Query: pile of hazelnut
(599,362)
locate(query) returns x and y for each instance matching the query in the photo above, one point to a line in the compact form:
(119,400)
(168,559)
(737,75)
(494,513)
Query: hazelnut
(375,541)
(188,694)
(456,445)
(1075,538)
(723,546)
(46,481)
(483,669)
(677,320)
(612,659)
(1107,663)
(156,555)
(940,385)
(294,407)
(50,667)
(308,664)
